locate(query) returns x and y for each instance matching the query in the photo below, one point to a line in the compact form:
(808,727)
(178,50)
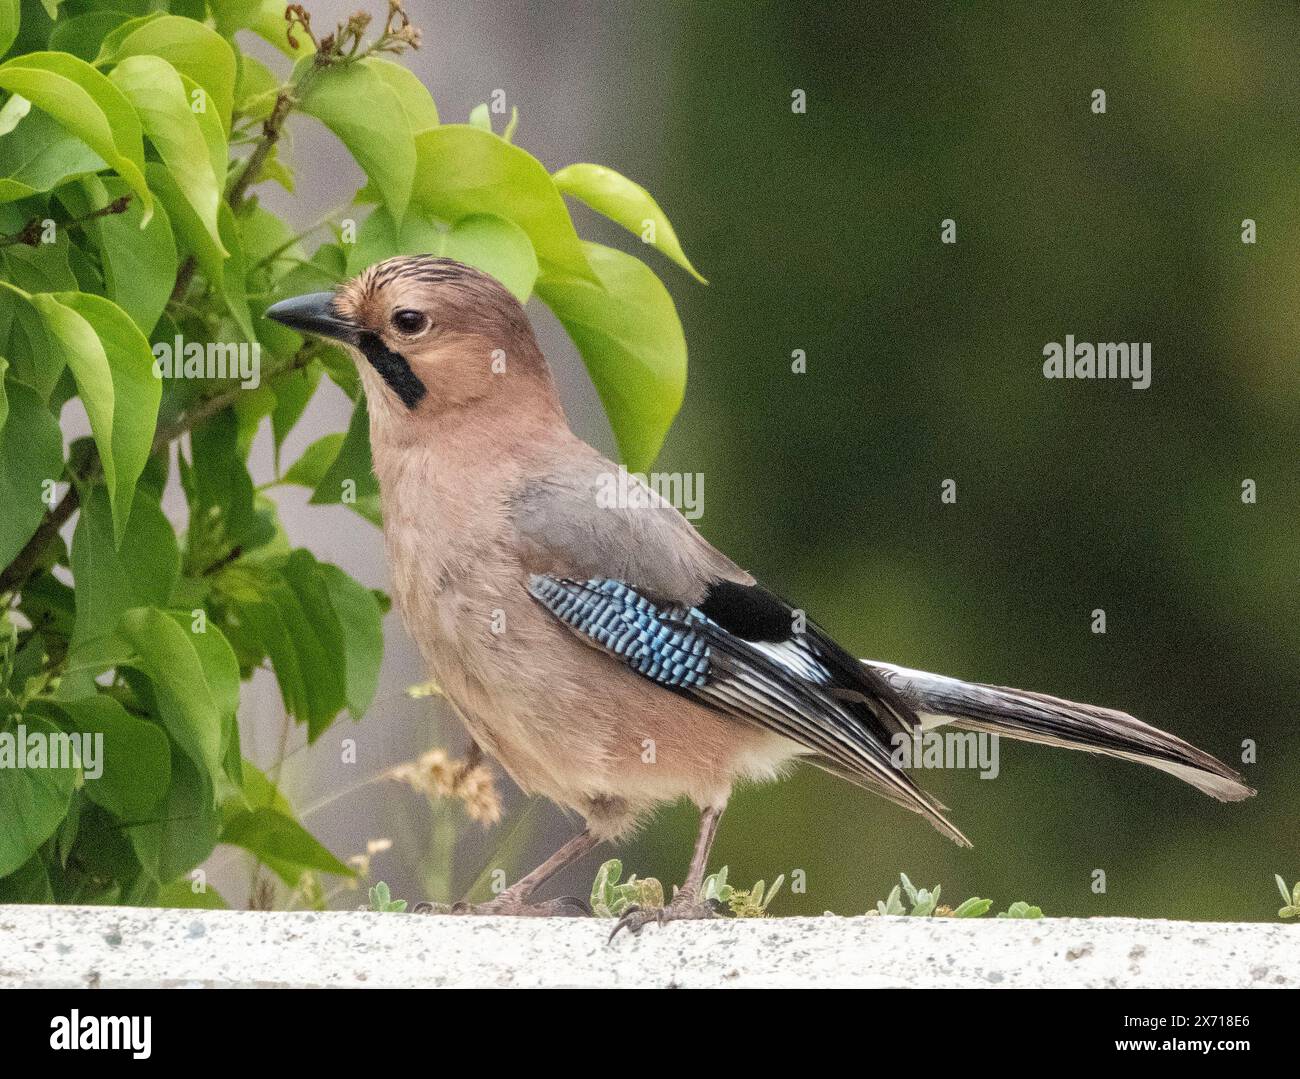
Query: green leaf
(191,155)
(183,830)
(31,454)
(113,578)
(379,238)
(350,479)
(233,286)
(362,623)
(255,89)
(495,245)
(10,15)
(603,887)
(632,343)
(348,99)
(626,203)
(1021,909)
(268,22)
(169,656)
(39,154)
(232,15)
(282,843)
(180,894)
(416,102)
(909,888)
(463,170)
(382,901)
(82,35)
(193,49)
(258,792)
(43,268)
(285,606)
(220,669)
(318,639)
(188,229)
(29,884)
(113,365)
(136,764)
(139,264)
(316,459)
(292,395)
(88,105)
(35,357)
(223,515)
(33,800)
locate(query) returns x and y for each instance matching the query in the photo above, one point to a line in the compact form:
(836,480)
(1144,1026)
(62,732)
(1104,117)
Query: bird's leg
(685,905)
(515,899)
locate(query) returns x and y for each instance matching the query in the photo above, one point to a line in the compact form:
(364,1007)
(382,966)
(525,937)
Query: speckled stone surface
(117,947)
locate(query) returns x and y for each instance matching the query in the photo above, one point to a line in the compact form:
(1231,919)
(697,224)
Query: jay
(610,658)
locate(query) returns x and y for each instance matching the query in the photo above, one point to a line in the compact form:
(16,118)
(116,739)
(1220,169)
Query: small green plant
(925,904)
(715,888)
(382,901)
(1290,900)
(610,899)
(1021,910)
(743,903)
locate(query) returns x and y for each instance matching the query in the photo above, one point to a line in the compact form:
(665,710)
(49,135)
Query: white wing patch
(795,657)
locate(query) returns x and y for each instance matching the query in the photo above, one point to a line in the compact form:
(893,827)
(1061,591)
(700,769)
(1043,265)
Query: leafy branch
(179,615)
(343,46)
(25,562)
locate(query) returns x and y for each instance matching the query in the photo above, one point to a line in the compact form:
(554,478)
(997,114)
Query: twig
(272,128)
(30,233)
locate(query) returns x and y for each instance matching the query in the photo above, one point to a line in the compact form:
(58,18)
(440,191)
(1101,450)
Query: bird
(604,652)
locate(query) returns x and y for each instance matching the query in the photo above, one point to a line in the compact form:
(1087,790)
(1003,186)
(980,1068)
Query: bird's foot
(684,908)
(509,906)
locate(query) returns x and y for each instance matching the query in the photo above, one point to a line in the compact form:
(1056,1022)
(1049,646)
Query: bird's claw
(636,918)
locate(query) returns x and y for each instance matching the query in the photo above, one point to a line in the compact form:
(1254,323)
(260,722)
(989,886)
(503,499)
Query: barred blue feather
(786,686)
(661,644)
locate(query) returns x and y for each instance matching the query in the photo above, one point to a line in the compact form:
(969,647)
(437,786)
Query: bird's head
(430,336)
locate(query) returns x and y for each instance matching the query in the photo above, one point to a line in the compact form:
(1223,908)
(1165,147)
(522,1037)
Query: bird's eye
(409,321)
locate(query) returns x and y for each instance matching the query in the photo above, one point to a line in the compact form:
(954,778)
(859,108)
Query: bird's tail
(1036,717)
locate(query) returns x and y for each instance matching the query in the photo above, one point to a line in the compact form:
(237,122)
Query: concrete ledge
(124,947)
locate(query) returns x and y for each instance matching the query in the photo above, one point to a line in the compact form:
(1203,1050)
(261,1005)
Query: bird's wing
(645,587)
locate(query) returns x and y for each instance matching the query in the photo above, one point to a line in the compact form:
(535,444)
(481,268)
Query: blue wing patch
(662,643)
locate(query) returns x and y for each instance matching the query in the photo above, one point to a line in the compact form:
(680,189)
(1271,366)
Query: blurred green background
(821,232)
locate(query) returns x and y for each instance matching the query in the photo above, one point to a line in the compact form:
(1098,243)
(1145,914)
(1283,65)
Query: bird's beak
(314,313)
